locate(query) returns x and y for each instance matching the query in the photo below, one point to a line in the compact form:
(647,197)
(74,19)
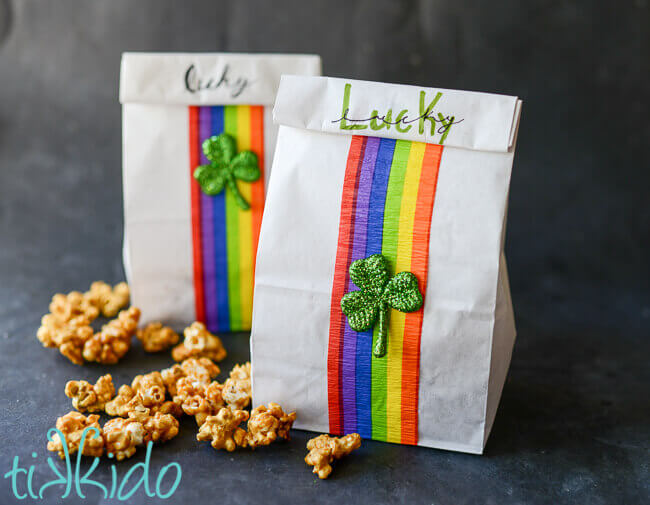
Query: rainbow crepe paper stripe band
(386,208)
(224,237)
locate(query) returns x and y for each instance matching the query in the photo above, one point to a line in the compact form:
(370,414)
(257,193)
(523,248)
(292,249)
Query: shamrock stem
(382,335)
(243,204)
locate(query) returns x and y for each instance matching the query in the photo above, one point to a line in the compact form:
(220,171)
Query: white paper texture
(468,326)
(157,213)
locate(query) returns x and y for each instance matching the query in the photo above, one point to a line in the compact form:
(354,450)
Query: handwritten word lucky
(403,122)
(23,486)
(195,83)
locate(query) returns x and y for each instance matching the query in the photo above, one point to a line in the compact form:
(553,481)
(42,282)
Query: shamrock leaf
(245,168)
(225,167)
(403,293)
(370,274)
(361,309)
(378,292)
(212,180)
(220,149)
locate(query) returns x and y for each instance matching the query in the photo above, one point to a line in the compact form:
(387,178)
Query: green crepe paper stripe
(389,250)
(232,225)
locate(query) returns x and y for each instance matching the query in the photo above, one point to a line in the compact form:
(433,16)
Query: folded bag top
(382,303)
(198,140)
(479,121)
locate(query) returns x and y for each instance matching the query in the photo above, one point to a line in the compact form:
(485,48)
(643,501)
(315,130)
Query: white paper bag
(420,176)
(189,255)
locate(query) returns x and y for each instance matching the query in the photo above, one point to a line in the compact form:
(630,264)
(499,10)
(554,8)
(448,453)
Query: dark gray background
(574,421)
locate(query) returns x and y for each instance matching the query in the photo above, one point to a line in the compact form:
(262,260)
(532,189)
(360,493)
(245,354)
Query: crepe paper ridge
(419,267)
(344,251)
(380,380)
(195,191)
(386,207)
(363,340)
(232,231)
(359,240)
(257,187)
(208,123)
(219,297)
(245,224)
(225,237)
(368,366)
(398,319)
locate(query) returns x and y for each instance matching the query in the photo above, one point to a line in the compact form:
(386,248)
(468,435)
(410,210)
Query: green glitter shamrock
(378,292)
(225,167)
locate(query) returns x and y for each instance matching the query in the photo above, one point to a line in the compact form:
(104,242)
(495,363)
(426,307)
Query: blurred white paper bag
(190,236)
(390,179)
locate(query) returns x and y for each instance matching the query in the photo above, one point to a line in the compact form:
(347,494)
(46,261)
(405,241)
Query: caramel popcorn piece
(73,339)
(223,430)
(199,342)
(67,326)
(69,336)
(237,389)
(72,426)
(128,399)
(150,388)
(170,407)
(187,387)
(158,427)
(108,300)
(50,329)
(121,405)
(202,369)
(237,394)
(88,397)
(241,372)
(213,392)
(268,423)
(114,341)
(122,436)
(198,407)
(161,428)
(155,337)
(74,304)
(171,376)
(105,348)
(146,391)
(205,400)
(325,449)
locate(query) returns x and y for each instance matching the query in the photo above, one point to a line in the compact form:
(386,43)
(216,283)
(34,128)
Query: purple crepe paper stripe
(207,236)
(349,392)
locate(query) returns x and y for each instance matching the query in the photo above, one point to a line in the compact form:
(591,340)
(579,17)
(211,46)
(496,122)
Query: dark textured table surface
(574,420)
